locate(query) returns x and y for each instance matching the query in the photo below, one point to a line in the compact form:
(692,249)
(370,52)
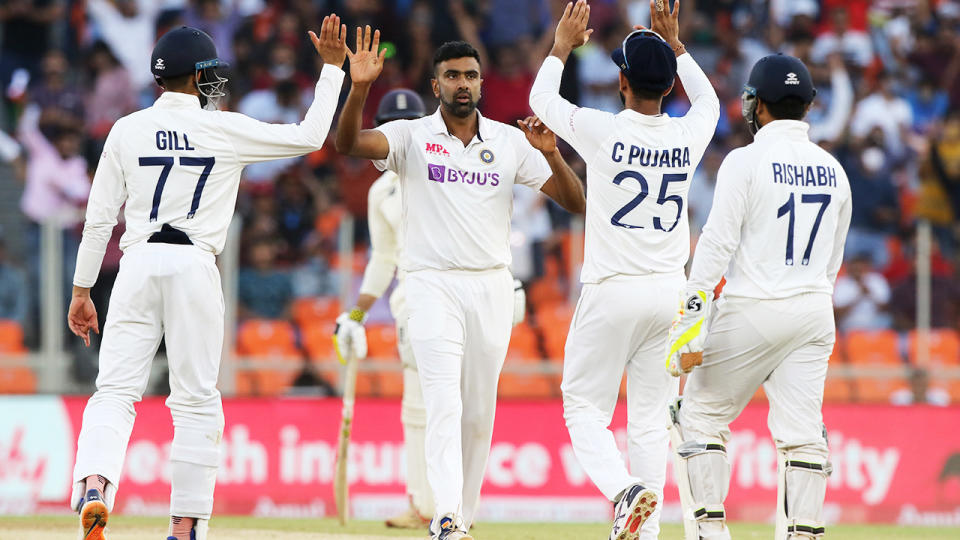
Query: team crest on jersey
(159,65)
(486,156)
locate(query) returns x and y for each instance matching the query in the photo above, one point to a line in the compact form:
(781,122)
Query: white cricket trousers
(785,346)
(171,290)
(459,326)
(621,324)
(413,416)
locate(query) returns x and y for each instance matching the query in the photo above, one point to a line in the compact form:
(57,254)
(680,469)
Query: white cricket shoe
(635,506)
(449,527)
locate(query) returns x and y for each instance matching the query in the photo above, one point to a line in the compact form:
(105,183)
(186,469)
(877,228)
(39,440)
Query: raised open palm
(331,43)
(366,62)
(538,134)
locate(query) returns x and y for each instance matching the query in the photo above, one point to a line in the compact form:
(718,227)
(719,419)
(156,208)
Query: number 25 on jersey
(662,199)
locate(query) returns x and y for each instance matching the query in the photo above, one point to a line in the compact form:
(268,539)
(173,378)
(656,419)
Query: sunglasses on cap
(640,32)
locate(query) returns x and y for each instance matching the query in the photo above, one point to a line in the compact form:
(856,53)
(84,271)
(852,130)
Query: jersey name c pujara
(170,140)
(804,175)
(645,157)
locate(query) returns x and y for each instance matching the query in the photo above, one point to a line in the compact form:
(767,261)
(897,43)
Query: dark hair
(454,49)
(175,83)
(643,93)
(788,108)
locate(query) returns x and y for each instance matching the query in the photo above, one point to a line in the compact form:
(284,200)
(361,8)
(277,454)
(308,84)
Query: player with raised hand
(777,227)
(175,168)
(457,170)
(639,166)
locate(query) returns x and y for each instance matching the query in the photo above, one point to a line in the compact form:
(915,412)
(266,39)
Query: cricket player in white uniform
(639,166)
(175,167)
(457,170)
(384,207)
(777,227)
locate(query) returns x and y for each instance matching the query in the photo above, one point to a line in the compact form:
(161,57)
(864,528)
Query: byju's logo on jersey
(792,79)
(159,66)
(437,149)
(436,172)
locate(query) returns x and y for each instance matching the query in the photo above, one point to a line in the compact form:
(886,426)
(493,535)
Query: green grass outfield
(248,528)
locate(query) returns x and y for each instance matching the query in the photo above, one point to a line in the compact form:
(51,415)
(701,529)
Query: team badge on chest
(486,156)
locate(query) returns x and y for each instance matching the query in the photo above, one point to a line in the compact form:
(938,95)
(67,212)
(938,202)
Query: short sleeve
(533,170)
(397,133)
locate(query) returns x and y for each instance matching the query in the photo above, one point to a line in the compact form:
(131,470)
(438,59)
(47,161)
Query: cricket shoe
(93,516)
(632,511)
(411,519)
(450,527)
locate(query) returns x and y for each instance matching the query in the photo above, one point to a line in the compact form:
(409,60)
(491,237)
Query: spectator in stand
(314,277)
(861,296)
(111,95)
(939,195)
(58,96)
(943,309)
(26,34)
(888,111)
(928,105)
(876,211)
(263,292)
(295,214)
(599,77)
(219,19)
(854,45)
(129,27)
(280,104)
(828,123)
(14,303)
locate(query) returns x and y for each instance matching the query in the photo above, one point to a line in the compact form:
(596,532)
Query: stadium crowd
(888,106)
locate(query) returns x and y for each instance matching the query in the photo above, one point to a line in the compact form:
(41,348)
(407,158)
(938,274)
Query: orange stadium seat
(524,343)
(554,323)
(17,380)
(269,340)
(382,341)
(546,291)
(944,348)
(524,351)
(874,349)
(11,337)
(837,389)
(318,341)
(315,309)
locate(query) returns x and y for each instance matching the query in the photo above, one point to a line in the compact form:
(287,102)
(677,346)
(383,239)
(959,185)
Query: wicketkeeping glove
(688,332)
(349,337)
(519,302)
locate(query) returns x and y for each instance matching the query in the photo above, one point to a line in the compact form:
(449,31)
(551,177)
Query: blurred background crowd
(888,106)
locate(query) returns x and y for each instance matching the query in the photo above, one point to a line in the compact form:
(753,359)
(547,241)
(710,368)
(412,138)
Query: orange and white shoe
(632,511)
(93,516)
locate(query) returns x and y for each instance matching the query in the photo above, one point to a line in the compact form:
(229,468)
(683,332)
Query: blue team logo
(486,156)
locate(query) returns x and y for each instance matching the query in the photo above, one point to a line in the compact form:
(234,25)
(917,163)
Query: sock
(97,482)
(180,527)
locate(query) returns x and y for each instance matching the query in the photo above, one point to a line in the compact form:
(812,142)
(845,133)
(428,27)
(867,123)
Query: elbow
(576,205)
(343,145)
(536,102)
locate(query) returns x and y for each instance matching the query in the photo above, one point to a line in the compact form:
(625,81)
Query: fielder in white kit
(639,167)
(175,167)
(457,171)
(777,227)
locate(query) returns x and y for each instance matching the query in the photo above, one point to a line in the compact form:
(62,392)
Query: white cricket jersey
(457,200)
(384,208)
(639,170)
(176,163)
(781,210)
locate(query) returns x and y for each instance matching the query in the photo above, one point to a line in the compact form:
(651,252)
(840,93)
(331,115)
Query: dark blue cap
(183,51)
(780,76)
(646,61)
(400,104)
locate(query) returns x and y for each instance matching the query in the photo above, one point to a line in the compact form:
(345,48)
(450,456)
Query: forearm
(365,302)
(568,191)
(81,292)
(348,129)
(561,51)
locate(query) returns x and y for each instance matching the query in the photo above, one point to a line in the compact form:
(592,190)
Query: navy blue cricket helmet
(772,79)
(187,50)
(400,104)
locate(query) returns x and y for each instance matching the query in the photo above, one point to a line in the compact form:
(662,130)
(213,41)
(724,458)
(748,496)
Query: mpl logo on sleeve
(436,149)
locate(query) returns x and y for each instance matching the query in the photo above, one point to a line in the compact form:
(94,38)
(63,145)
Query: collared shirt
(779,219)
(178,164)
(639,169)
(457,199)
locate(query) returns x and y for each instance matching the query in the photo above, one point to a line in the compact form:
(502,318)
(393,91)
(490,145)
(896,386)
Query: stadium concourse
(888,79)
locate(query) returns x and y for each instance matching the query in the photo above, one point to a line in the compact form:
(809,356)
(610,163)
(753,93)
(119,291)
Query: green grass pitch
(243,528)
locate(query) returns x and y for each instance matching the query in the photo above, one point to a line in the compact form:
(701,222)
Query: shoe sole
(93,520)
(642,509)
(407,523)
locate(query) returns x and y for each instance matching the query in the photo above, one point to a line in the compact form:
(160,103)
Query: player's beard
(458,109)
(623,99)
